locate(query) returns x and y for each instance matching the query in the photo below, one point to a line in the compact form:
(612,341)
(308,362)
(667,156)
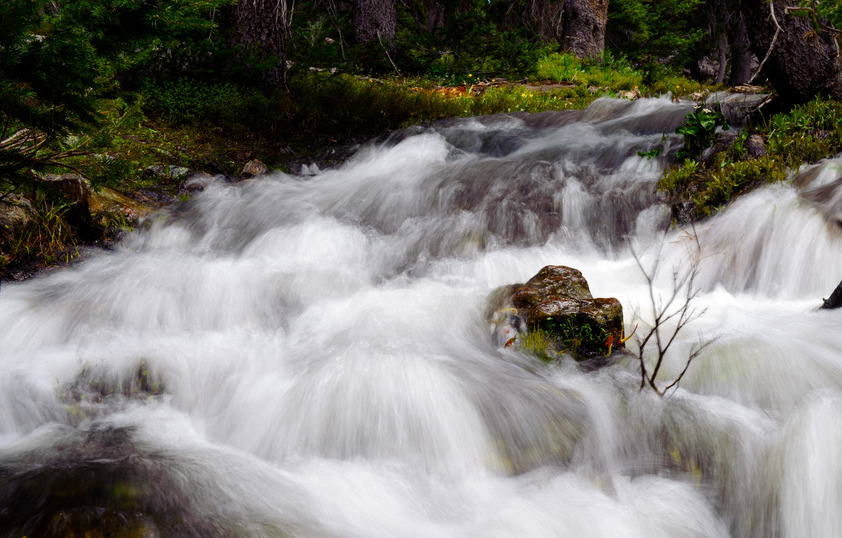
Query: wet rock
(835,299)
(738,107)
(558,302)
(197,183)
(755,146)
(631,95)
(109,202)
(95,483)
(253,168)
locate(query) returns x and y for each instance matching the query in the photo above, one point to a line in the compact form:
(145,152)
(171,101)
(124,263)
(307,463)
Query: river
(310,356)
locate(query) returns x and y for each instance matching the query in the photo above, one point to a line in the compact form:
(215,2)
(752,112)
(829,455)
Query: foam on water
(310,355)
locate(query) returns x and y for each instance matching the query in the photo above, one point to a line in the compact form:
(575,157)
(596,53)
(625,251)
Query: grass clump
(614,75)
(605,72)
(551,337)
(540,343)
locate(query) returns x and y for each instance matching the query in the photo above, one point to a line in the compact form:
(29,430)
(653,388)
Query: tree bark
(722,48)
(375,21)
(545,19)
(261,27)
(435,15)
(802,63)
(741,55)
(583,27)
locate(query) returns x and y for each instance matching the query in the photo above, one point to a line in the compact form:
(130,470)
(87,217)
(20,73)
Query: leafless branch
(771,45)
(387,53)
(676,309)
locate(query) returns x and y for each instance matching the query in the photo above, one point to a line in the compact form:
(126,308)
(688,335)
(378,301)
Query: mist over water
(310,356)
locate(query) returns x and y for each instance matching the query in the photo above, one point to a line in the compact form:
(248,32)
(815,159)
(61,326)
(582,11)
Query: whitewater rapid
(309,356)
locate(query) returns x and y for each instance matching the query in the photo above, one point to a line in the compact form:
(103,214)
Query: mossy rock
(558,302)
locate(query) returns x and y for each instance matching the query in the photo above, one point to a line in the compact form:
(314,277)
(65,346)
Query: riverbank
(151,161)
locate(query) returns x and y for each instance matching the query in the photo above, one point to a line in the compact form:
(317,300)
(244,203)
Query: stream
(310,356)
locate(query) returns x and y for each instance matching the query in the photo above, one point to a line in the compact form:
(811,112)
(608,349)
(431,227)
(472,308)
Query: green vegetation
(606,72)
(540,343)
(699,131)
(107,89)
(575,337)
(806,134)
(659,36)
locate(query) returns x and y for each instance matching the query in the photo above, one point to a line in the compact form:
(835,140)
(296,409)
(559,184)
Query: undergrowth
(805,135)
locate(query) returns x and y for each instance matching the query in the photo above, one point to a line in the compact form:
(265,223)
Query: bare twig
(387,53)
(771,45)
(334,15)
(676,309)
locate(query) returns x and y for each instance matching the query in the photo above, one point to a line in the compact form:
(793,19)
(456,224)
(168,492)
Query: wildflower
(469,75)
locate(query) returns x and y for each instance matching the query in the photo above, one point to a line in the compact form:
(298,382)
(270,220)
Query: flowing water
(310,356)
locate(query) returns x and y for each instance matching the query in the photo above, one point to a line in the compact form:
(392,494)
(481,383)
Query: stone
(15,213)
(254,168)
(196,183)
(558,301)
(835,300)
(755,146)
(73,189)
(109,201)
(168,172)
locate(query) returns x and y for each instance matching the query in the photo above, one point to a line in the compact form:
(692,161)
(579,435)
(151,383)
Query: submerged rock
(96,483)
(557,304)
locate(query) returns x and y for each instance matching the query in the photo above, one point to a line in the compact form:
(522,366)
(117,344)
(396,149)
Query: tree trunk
(722,49)
(435,16)
(375,21)
(545,19)
(583,27)
(261,27)
(741,55)
(802,63)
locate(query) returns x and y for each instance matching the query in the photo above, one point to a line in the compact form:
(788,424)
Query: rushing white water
(309,356)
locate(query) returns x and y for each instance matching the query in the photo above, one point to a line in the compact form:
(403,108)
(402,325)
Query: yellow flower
(523,95)
(469,74)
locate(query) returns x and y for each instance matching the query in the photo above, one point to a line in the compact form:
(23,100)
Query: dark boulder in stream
(557,303)
(835,299)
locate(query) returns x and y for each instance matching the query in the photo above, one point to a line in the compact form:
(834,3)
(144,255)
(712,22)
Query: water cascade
(309,356)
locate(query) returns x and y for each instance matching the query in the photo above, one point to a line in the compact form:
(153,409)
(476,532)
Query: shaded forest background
(105,89)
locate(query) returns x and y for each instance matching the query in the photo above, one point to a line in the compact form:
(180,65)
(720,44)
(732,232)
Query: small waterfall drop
(308,355)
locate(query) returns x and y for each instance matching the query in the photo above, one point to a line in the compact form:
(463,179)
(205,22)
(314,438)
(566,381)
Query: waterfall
(309,355)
